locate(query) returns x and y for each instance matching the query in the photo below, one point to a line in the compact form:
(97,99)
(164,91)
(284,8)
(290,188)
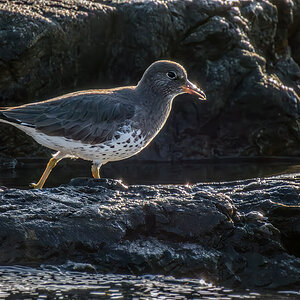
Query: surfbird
(103,125)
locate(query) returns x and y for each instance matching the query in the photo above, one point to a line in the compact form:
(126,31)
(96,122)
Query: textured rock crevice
(243,53)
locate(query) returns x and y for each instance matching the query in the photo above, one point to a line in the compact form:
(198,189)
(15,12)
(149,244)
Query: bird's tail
(4,118)
(1,114)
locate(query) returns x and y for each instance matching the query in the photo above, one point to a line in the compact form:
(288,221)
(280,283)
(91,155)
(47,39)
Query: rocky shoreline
(238,234)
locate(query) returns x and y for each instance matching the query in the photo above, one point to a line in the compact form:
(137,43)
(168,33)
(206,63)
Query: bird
(103,125)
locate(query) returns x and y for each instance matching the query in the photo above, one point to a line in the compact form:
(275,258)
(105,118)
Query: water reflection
(145,173)
(57,283)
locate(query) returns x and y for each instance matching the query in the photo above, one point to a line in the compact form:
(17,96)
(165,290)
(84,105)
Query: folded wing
(89,117)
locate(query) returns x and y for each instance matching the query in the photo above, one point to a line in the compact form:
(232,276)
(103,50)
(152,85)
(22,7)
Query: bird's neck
(156,107)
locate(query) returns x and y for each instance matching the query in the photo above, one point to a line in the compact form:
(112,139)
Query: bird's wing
(89,117)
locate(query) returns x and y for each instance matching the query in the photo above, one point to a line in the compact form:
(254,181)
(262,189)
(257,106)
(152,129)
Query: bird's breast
(155,119)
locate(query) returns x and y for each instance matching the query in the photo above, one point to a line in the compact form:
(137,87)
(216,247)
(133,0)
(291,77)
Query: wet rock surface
(237,234)
(245,55)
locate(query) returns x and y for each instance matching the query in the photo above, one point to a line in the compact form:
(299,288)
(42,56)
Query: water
(56,283)
(29,171)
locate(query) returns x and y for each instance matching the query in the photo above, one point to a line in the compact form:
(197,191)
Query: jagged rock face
(237,234)
(244,54)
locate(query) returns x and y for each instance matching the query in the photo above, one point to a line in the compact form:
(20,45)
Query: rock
(3,188)
(237,234)
(92,182)
(245,55)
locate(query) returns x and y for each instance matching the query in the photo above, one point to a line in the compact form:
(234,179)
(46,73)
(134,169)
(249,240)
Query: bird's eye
(172,75)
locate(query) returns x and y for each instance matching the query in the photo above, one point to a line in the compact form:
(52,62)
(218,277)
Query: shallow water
(56,283)
(28,171)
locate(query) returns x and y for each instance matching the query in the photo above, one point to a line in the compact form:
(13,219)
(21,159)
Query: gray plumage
(90,116)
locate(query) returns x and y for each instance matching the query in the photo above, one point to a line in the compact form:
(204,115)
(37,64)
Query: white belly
(126,145)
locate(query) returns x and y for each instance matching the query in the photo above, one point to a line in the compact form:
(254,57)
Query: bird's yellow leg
(51,164)
(96,170)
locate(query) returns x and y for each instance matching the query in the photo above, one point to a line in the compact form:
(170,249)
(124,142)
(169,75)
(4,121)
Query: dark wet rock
(3,188)
(239,234)
(245,54)
(95,183)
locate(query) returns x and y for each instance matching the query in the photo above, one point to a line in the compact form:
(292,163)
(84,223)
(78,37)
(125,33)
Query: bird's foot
(35,186)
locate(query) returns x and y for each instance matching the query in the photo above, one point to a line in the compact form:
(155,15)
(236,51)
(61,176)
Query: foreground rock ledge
(239,234)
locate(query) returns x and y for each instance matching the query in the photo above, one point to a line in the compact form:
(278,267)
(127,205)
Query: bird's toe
(34,186)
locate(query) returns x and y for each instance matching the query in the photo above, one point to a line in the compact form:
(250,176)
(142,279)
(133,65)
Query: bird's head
(169,79)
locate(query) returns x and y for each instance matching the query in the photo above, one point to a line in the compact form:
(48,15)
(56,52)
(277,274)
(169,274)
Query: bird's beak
(191,88)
